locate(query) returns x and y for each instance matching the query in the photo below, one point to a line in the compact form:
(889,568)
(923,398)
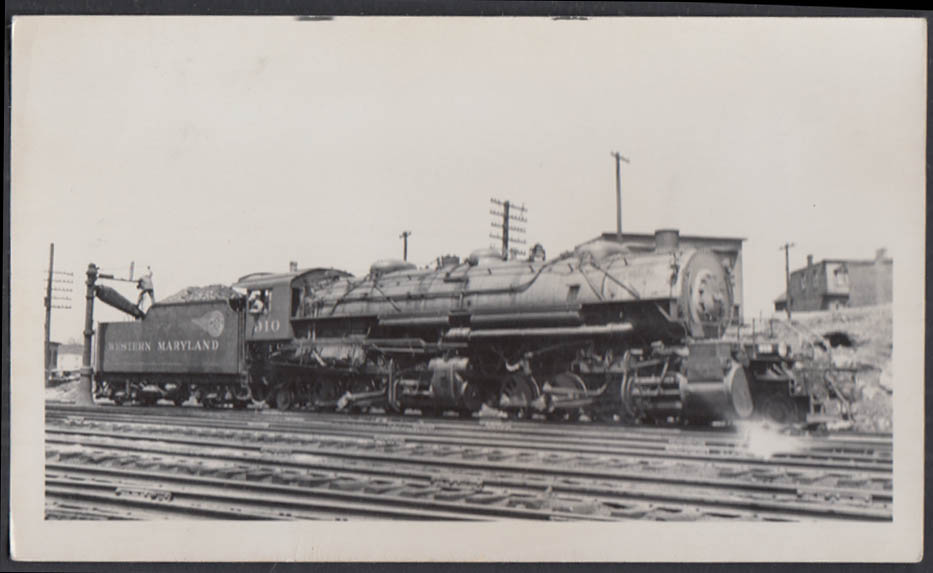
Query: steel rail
(701,499)
(686,452)
(398,422)
(663,448)
(224,450)
(724,436)
(268,495)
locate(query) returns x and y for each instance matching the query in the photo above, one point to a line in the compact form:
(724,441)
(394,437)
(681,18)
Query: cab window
(258,302)
(296,300)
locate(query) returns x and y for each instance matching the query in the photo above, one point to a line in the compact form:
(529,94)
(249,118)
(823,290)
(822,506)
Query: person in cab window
(257,303)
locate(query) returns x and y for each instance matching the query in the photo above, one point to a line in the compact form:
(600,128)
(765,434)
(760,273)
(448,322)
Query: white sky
(209,148)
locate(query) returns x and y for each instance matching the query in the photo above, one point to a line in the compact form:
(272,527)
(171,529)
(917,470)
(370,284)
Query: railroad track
(871,450)
(375,467)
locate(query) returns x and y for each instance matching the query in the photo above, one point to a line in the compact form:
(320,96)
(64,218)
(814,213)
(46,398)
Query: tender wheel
(258,387)
(283,398)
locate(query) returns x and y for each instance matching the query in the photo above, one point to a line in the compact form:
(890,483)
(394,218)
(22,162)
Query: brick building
(836,283)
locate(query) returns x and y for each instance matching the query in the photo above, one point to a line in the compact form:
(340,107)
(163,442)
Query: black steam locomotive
(608,331)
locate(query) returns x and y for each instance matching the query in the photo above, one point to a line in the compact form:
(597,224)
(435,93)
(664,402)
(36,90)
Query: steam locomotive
(609,331)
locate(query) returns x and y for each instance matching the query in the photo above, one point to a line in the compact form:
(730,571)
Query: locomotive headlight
(782,350)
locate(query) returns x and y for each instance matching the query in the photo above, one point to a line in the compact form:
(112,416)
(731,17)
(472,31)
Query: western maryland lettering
(202,345)
(188,345)
(131,346)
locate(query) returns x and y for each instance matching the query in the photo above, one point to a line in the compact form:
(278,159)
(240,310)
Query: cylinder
(726,399)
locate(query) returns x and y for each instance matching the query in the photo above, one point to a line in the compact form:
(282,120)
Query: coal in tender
(198,294)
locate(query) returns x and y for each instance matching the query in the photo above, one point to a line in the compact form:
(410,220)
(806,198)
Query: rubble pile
(870,344)
(205,293)
(859,338)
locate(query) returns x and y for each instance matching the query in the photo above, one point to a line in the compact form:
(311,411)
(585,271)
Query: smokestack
(666,240)
(809,260)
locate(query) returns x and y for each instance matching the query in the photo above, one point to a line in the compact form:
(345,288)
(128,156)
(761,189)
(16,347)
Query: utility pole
(619,158)
(404,236)
(506,227)
(57,282)
(787,299)
(48,313)
(506,207)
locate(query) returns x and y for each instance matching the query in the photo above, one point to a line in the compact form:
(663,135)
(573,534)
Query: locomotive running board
(596,330)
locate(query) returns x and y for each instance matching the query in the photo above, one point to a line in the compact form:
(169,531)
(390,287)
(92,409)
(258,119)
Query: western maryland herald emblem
(212,323)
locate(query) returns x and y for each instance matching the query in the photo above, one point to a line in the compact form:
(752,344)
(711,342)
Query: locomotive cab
(268,306)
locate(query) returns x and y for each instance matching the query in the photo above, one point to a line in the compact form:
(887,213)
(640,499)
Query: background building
(836,283)
(728,248)
(68,357)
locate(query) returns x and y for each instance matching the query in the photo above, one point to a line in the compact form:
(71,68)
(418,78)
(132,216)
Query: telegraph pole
(619,159)
(48,313)
(57,282)
(506,227)
(404,236)
(506,207)
(787,300)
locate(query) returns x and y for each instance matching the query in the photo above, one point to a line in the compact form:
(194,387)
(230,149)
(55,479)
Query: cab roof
(263,280)
(268,280)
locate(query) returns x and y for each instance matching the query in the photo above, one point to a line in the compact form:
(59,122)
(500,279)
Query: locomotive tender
(611,331)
